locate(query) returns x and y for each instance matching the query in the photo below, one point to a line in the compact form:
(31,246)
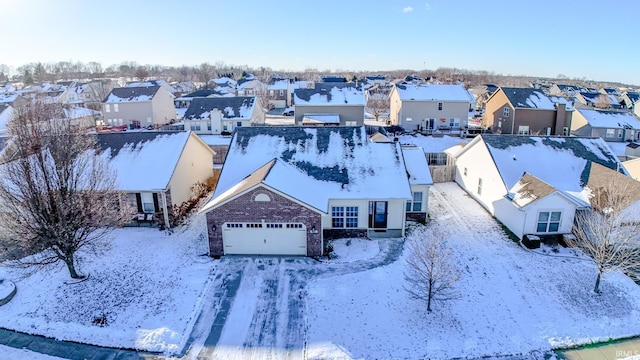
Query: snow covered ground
(159,290)
(511,301)
(148,287)
(9,353)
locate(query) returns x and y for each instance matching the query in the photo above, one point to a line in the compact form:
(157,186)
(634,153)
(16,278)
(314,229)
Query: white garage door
(264,238)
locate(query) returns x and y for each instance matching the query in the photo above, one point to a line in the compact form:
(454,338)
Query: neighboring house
(597,100)
(534,184)
(183,102)
(287,190)
(250,86)
(564,90)
(609,91)
(80,117)
(632,149)
(219,115)
(629,99)
(6,112)
(633,167)
(329,104)
(156,170)
(607,124)
(149,83)
(524,111)
(224,85)
(145,106)
(92,93)
(376,80)
(279,93)
(430,107)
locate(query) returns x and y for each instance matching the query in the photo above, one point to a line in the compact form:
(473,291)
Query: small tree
(430,274)
(609,233)
(57,193)
(378,104)
(142,73)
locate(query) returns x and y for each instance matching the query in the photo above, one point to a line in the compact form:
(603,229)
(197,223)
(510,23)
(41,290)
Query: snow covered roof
(632,95)
(313,165)
(531,98)
(79,112)
(330,94)
(236,107)
(432,92)
(315,119)
(143,160)
(431,144)
(279,84)
(6,111)
(610,119)
(529,189)
(132,94)
(8,97)
(379,137)
(561,162)
(591,97)
(417,167)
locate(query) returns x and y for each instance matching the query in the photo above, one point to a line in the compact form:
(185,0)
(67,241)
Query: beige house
(156,170)
(429,106)
(222,115)
(633,167)
(137,107)
(607,124)
(527,111)
(329,104)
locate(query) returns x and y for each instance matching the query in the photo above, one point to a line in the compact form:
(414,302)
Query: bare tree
(377,104)
(430,273)
(57,194)
(206,72)
(602,102)
(141,73)
(609,233)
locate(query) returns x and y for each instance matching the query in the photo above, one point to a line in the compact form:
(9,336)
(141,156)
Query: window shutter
(155,202)
(139,202)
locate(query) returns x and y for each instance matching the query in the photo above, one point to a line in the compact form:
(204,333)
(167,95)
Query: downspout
(165,211)
(513,120)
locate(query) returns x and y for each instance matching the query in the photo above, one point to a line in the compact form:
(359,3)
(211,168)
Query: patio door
(378,214)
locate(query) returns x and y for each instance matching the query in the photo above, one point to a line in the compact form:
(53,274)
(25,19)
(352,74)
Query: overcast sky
(595,39)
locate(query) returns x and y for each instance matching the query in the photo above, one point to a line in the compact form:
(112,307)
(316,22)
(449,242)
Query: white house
(533,184)
(429,106)
(217,115)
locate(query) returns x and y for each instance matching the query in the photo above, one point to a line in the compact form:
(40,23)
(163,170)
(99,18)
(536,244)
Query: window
(195,127)
(281,93)
(274,226)
(233,225)
(549,221)
(505,111)
(294,226)
(465,171)
(209,126)
(523,130)
(351,123)
(239,124)
(337,216)
(408,119)
(480,186)
(611,133)
(342,216)
(439,106)
(270,92)
(146,198)
(148,119)
(107,108)
(416,203)
(255,225)
(565,131)
(116,108)
(453,122)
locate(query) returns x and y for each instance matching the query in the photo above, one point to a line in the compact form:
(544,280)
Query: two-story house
(429,106)
(524,111)
(606,124)
(222,115)
(145,106)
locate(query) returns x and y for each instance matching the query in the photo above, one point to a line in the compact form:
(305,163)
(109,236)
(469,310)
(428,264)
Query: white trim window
(116,108)
(479,186)
(415,204)
(107,108)
(505,111)
(440,106)
(549,221)
(344,216)
(146,198)
(523,130)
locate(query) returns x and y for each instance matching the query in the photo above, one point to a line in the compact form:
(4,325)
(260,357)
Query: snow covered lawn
(511,301)
(148,287)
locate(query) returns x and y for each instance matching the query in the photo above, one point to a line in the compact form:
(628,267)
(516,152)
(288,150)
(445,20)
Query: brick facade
(131,204)
(278,209)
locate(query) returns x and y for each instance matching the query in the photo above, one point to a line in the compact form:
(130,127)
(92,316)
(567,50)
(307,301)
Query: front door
(378,214)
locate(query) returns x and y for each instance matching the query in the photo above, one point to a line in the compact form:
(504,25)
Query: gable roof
(236,107)
(313,165)
(632,95)
(610,119)
(595,97)
(132,94)
(561,162)
(529,189)
(432,92)
(530,98)
(143,160)
(330,94)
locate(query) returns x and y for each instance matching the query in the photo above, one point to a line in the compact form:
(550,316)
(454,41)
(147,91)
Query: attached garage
(246,238)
